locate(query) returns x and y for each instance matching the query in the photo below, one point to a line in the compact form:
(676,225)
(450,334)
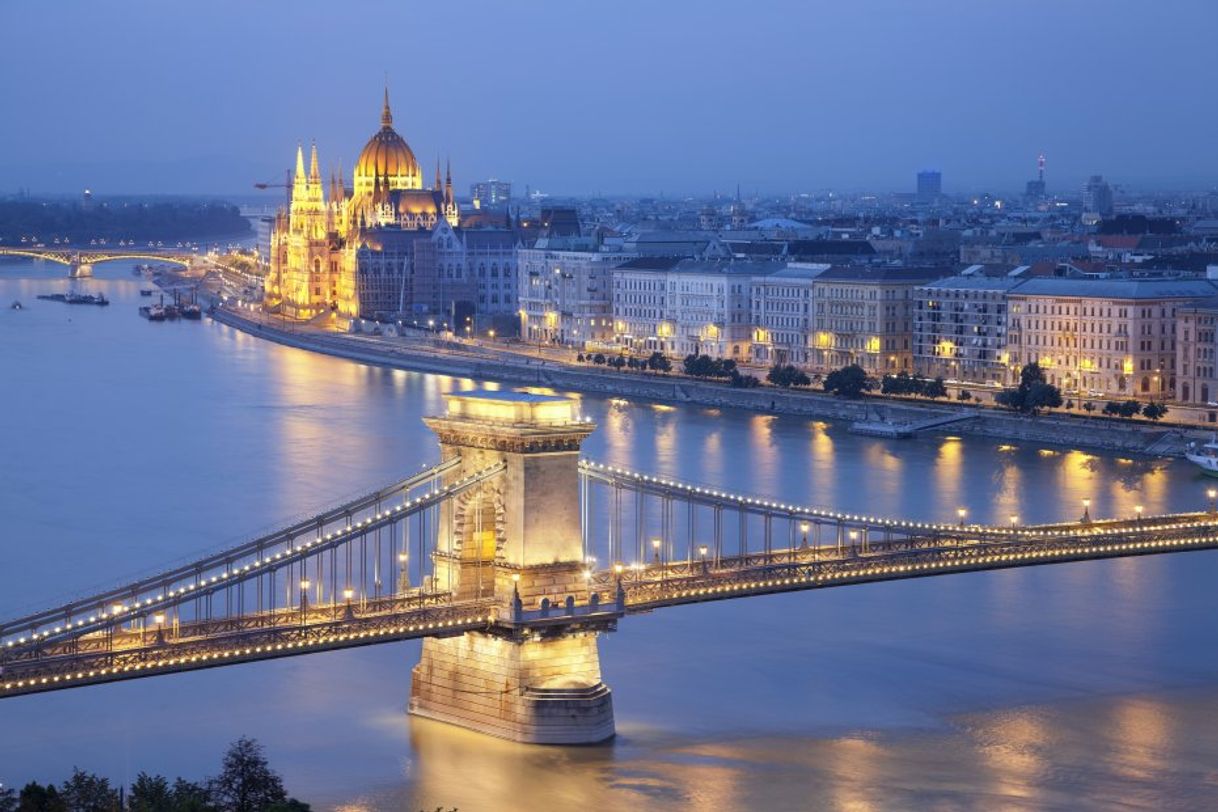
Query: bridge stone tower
(516,539)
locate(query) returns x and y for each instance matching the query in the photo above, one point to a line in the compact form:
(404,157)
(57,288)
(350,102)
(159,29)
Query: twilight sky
(579,97)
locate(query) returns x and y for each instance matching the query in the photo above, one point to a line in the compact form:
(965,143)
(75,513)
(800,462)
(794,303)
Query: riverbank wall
(1058,430)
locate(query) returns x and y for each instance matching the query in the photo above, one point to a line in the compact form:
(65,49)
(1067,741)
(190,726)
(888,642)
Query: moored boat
(153,312)
(1204,456)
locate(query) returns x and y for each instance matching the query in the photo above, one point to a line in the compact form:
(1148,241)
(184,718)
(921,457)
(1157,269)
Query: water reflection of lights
(1048,452)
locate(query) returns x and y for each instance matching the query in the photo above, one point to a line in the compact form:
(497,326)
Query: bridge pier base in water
(536,691)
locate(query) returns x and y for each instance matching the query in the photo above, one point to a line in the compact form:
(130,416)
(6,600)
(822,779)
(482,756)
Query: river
(127,445)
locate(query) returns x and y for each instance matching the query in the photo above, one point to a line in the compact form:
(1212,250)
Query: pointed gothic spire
(300,162)
(314,171)
(386,116)
(438,184)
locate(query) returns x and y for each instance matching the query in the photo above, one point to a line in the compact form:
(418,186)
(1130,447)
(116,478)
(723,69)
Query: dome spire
(386,116)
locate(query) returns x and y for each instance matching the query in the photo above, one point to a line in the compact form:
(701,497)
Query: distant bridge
(509,558)
(81,262)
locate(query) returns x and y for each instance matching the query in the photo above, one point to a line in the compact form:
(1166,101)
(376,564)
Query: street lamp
(960,514)
(655,547)
(854,537)
(304,597)
(803,528)
(1014,521)
(1086,511)
(348,594)
(1137,510)
(1212,493)
(702,553)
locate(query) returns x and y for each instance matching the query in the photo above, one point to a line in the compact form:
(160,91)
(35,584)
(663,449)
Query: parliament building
(387,247)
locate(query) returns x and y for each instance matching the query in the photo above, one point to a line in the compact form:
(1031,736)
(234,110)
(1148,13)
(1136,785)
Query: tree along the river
(703,366)
(786,375)
(1033,394)
(848,382)
(1154,411)
(659,362)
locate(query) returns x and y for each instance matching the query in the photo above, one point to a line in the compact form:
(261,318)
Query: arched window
(1205,393)
(1145,384)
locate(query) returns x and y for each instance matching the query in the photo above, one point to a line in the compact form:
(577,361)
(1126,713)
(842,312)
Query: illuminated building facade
(1105,336)
(315,242)
(782,315)
(683,306)
(565,290)
(864,316)
(960,328)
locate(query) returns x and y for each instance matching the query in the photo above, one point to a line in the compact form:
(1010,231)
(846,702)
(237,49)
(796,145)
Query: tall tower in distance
(1035,189)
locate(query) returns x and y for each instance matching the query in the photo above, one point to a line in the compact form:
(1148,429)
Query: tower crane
(286,185)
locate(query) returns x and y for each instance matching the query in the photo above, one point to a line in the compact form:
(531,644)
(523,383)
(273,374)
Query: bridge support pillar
(80,270)
(515,541)
(540,691)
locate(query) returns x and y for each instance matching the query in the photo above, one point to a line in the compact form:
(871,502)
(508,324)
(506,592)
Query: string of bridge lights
(200,660)
(744,500)
(232,574)
(970,558)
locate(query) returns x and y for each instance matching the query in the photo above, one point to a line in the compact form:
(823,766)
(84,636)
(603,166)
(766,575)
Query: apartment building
(781,314)
(1102,337)
(565,291)
(684,306)
(960,328)
(864,315)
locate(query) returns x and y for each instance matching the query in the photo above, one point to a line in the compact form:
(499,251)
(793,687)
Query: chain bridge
(509,558)
(80,262)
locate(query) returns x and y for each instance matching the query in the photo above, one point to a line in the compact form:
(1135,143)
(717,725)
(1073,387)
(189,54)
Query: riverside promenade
(515,368)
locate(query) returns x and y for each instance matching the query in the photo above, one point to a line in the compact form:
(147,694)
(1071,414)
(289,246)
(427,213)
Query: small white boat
(1204,457)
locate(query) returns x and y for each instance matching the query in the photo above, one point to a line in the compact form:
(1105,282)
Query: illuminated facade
(314,243)
(1102,336)
(864,316)
(564,290)
(960,328)
(782,315)
(679,307)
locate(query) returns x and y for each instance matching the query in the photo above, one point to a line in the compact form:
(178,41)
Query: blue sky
(624,97)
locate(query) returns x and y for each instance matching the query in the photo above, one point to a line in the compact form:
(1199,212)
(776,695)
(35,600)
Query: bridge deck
(130,653)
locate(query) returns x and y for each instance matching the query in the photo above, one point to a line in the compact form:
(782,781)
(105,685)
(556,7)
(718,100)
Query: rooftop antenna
(1040,167)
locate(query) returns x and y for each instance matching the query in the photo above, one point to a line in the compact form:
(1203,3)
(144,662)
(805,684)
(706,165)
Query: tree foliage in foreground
(246,783)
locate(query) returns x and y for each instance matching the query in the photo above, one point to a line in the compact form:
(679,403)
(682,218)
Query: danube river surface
(126,445)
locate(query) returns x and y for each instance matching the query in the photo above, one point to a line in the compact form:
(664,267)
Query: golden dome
(387,155)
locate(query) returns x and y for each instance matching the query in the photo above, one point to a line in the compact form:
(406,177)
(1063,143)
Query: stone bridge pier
(517,538)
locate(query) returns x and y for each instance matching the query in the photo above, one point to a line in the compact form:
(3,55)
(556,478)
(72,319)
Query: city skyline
(821,98)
